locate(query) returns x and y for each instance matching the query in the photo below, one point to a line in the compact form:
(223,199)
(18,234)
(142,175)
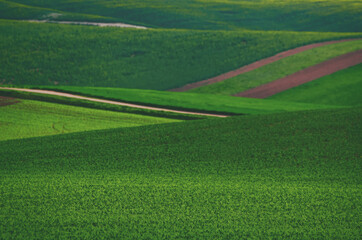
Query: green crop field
(300,15)
(190,101)
(33,118)
(39,54)
(285,176)
(285,167)
(341,88)
(279,69)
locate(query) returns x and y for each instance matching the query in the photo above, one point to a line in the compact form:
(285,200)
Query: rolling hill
(291,175)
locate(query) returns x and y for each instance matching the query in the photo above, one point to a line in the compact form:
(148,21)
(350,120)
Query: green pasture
(341,88)
(19,11)
(190,101)
(57,54)
(279,69)
(301,15)
(34,118)
(278,176)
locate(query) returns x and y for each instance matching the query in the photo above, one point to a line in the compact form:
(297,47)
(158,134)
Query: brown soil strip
(254,65)
(111,102)
(6,101)
(304,76)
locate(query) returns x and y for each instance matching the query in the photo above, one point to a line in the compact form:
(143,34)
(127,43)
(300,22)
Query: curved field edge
(340,88)
(96,105)
(30,118)
(40,54)
(206,103)
(280,69)
(305,15)
(168,181)
(17,11)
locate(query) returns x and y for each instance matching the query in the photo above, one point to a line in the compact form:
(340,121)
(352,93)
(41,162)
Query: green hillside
(290,176)
(300,15)
(341,88)
(14,10)
(54,54)
(279,69)
(33,118)
(190,101)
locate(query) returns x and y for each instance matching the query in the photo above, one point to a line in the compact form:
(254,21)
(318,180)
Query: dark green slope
(302,15)
(54,54)
(292,175)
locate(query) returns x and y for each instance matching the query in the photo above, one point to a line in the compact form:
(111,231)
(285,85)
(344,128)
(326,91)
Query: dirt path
(111,102)
(120,25)
(255,65)
(304,76)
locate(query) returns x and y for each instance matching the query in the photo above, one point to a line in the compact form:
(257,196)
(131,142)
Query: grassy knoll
(301,15)
(33,118)
(54,54)
(341,88)
(190,101)
(14,10)
(290,176)
(279,69)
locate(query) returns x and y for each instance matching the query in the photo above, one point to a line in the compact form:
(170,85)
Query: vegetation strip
(121,25)
(255,65)
(304,76)
(111,102)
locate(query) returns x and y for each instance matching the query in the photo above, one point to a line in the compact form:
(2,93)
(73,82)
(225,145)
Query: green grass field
(290,176)
(190,101)
(279,69)
(341,88)
(39,54)
(34,118)
(287,167)
(301,15)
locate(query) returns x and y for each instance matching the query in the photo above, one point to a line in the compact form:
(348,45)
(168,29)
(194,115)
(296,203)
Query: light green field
(300,15)
(341,88)
(190,101)
(33,118)
(275,176)
(279,69)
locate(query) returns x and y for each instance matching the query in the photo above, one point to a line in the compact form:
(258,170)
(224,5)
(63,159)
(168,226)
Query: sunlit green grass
(341,88)
(279,69)
(33,118)
(190,101)
(284,176)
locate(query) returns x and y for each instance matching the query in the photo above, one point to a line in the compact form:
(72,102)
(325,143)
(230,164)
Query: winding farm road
(120,25)
(306,75)
(68,95)
(255,65)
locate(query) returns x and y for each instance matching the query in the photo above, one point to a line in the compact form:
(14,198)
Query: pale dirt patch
(120,25)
